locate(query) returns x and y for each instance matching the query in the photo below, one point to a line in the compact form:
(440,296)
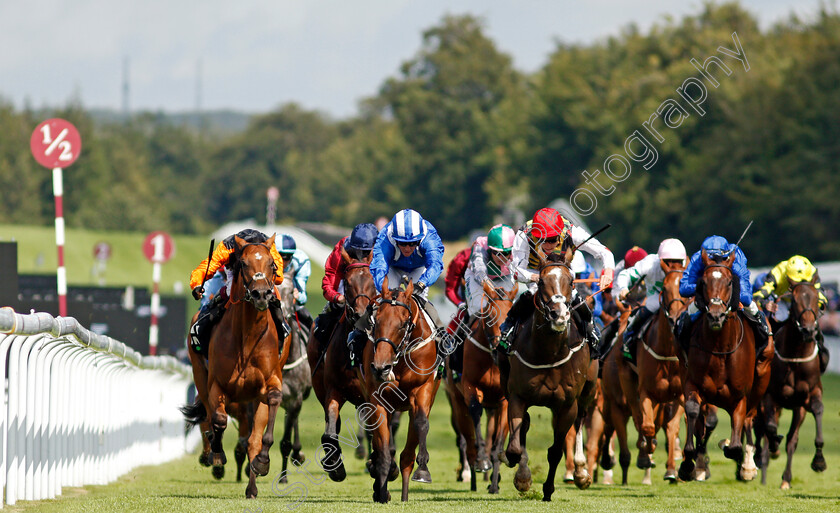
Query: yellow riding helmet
(799,269)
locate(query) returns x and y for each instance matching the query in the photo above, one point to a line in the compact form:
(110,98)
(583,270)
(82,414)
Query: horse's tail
(195,413)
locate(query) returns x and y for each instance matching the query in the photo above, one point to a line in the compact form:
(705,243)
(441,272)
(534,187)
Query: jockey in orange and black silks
(552,233)
(214,297)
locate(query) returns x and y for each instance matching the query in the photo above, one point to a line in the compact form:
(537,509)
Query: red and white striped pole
(61,274)
(153,328)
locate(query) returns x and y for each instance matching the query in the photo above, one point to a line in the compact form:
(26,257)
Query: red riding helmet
(633,256)
(547,223)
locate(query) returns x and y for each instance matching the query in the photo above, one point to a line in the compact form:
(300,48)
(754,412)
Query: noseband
(798,317)
(539,302)
(717,300)
(407,328)
(350,306)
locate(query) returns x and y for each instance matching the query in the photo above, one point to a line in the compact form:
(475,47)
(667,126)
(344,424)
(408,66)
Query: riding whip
(209,257)
(745,232)
(591,237)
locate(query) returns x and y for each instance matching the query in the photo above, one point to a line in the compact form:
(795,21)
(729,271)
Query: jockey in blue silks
(718,248)
(296,263)
(407,246)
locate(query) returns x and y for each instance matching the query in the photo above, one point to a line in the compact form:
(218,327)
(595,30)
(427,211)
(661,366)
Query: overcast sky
(258,54)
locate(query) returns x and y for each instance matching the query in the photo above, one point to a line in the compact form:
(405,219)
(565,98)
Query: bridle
(542,306)
(678,299)
(247,284)
(350,304)
(716,300)
(794,307)
(485,317)
(406,327)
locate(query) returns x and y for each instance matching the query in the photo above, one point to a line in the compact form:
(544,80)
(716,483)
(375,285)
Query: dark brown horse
(399,368)
(722,369)
(795,381)
(480,389)
(549,366)
(332,379)
(654,392)
(243,364)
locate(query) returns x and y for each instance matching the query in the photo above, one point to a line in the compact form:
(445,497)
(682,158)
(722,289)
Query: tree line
(462,136)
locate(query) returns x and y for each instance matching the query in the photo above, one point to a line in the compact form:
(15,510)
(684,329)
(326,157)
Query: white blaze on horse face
(258,256)
(717,275)
(258,276)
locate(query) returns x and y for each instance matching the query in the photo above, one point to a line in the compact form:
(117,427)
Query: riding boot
(606,339)
(521,309)
(208,316)
(823,351)
(304,317)
(762,329)
(324,323)
(438,327)
(456,359)
(583,317)
(683,329)
(355,342)
(632,333)
(283,329)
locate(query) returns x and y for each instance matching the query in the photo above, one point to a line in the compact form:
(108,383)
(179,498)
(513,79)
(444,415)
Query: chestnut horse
(549,367)
(480,389)
(721,368)
(243,363)
(795,381)
(400,365)
(333,381)
(654,394)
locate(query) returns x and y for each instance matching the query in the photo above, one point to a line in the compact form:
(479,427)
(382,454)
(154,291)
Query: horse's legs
(241,451)
(561,423)
(569,452)
(286,441)
(362,449)
(734,450)
(332,462)
(255,447)
(516,413)
(649,413)
(200,379)
(297,447)
(481,463)
(408,454)
(593,443)
(672,431)
(499,434)
(218,422)
(381,456)
(423,400)
(692,415)
(816,407)
(619,424)
(792,442)
(463,424)
(703,433)
(261,462)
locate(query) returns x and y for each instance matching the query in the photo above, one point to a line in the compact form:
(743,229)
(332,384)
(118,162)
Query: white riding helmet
(671,249)
(578,263)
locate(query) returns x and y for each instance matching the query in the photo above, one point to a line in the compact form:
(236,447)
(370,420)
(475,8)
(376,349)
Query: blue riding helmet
(287,245)
(363,237)
(715,245)
(408,226)
(758,282)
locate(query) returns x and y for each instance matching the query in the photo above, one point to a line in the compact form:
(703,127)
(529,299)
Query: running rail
(81,408)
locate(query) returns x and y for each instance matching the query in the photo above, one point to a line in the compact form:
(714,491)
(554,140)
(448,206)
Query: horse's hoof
(384,499)
(492,489)
(483,465)
(608,478)
(512,458)
(219,471)
(299,458)
(422,475)
(338,474)
(218,459)
(643,461)
(748,474)
(393,472)
(785,485)
(260,465)
(670,475)
(204,459)
(686,472)
(734,453)
(522,479)
(583,480)
(360,452)
(251,492)
(818,463)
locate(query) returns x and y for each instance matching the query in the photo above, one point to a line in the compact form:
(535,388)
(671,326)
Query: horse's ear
(369,258)
(346,256)
(488,289)
(409,286)
(706,260)
(570,255)
(815,279)
(386,292)
(663,266)
(270,242)
(730,259)
(240,242)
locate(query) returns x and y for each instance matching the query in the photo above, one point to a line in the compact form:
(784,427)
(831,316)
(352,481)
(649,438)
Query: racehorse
(333,381)
(399,367)
(795,381)
(654,392)
(480,389)
(722,369)
(297,379)
(549,366)
(243,363)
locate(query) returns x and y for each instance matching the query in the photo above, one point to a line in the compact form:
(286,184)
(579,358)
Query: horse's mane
(555,257)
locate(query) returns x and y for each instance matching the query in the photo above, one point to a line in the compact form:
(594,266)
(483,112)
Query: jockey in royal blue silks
(407,246)
(718,248)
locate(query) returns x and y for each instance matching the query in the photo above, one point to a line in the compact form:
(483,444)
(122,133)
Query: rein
(405,346)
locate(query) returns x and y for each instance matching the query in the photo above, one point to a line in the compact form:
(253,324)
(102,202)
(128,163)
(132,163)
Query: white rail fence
(81,408)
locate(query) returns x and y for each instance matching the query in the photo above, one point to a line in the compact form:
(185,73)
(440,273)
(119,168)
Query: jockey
(797,269)
(554,234)
(583,270)
(637,291)
(649,270)
(211,311)
(455,282)
(490,264)
(359,244)
(717,248)
(407,246)
(296,263)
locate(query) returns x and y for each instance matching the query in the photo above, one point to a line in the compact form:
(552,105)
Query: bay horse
(332,379)
(722,369)
(549,366)
(400,367)
(480,389)
(297,379)
(654,391)
(795,381)
(243,363)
